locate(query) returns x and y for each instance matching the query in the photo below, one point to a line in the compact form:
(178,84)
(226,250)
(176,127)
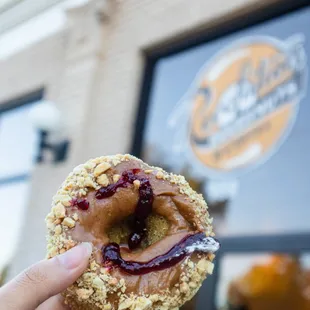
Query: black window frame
(281,243)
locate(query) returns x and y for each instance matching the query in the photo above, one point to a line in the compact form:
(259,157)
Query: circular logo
(244,102)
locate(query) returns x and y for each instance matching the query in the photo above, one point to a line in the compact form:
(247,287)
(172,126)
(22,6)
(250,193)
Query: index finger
(44,279)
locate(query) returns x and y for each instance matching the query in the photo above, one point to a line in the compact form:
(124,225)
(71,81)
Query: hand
(39,285)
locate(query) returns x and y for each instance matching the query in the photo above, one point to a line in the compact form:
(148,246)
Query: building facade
(93,66)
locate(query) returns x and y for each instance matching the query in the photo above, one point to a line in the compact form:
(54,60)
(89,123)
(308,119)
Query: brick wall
(35,67)
(136,26)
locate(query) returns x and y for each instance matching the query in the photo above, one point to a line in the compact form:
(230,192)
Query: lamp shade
(46,116)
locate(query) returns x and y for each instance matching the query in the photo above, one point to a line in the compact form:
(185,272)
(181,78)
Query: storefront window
(18,141)
(264,281)
(232,116)
(18,147)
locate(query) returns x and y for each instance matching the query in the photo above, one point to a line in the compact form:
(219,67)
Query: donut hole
(120,232)
(157,228)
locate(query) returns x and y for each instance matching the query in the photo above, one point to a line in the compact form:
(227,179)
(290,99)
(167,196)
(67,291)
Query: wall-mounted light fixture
(47,119)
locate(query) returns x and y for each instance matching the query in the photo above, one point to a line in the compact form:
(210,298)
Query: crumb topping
(97,288)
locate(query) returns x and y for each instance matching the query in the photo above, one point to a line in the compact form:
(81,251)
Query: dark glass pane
(254,169)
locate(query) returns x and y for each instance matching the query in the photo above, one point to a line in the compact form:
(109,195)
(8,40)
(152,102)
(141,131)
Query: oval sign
(244,103)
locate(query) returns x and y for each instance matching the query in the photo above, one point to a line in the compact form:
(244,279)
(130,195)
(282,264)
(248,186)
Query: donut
(151,233)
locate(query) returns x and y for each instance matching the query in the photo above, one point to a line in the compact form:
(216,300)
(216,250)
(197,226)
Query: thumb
(45,279)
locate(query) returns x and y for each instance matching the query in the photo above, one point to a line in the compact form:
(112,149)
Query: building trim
(30,97)
(14,179)
(21,11)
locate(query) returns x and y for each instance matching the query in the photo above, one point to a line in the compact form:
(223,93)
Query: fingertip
(46,278)
(88,248)
(75,256)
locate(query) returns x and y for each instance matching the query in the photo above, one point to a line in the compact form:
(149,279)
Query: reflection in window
(18,141)
(275,194)
(18,147)
(264,282)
